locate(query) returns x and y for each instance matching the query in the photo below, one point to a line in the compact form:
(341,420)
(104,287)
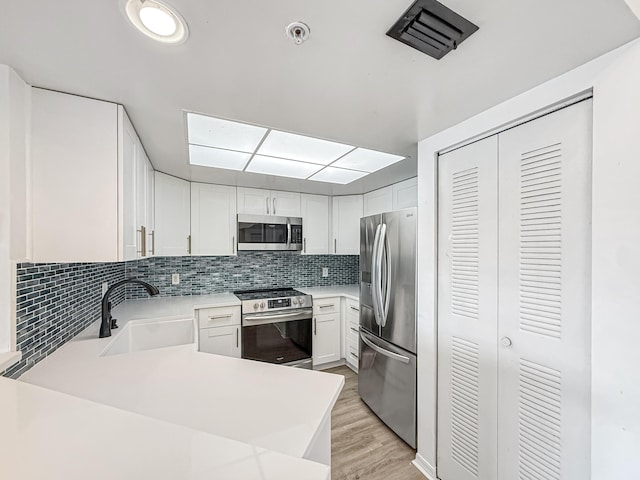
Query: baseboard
(425,467)
(325,366)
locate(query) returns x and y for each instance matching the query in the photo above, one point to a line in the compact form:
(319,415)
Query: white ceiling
(348,83)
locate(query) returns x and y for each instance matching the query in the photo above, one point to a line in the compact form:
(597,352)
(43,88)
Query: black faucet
(107,321)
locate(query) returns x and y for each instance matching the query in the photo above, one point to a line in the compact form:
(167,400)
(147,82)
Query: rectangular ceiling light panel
(281,167)
(367,160)
(337,175)
(217,158)
(216,132)
(301,148)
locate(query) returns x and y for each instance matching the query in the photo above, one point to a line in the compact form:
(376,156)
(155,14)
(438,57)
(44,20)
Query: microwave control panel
(296,233)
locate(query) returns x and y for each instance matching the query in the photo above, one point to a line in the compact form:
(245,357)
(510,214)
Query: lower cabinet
(326,330)
(352,342)
(220,331)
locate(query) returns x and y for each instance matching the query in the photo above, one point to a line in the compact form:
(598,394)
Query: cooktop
(261,294)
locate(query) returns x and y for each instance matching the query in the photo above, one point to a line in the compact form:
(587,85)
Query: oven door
(283,338)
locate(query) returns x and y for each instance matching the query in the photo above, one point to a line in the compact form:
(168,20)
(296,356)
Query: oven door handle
(272,316)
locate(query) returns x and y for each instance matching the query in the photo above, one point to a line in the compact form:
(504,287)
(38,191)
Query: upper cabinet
(346,213)
(315,223)
(74,178)
(173,214)
(378,201)
(213,219)
(405,194)
(257,201)
(91,182)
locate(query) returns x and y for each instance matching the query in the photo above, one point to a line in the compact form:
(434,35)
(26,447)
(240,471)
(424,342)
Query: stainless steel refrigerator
(387,365)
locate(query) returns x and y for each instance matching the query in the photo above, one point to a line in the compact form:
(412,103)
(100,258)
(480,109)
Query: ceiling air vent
(432,28)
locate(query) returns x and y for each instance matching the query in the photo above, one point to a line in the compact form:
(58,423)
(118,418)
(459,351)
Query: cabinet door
(545,297)
(172,216)
(405,194)
(346,213)
(467,312)
(221,340)
(74,178)
(315,224)
(213,219)
(378,201)
(285,204)
(254,201)
(326,338)
(150,204)
(129,184)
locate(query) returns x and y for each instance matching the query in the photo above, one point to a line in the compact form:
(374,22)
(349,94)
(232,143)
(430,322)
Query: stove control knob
(301,300)
(261,304)
(255,306)
(294,301)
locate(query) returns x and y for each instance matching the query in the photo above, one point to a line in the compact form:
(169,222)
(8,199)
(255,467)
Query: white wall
(616,417)
(14,107)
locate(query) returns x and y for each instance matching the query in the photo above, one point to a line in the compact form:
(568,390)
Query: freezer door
(387,384)
(399,273)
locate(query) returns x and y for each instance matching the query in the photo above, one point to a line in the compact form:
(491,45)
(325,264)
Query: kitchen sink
(147,335)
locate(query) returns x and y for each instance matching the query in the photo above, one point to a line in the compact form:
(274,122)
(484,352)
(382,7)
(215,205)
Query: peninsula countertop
(269,406)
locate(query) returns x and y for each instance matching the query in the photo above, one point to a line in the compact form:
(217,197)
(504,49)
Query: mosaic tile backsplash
(247,270)
(55,301)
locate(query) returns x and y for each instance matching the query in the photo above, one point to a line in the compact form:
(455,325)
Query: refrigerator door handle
(374,277)
(384,245)
(384,351)
(377,286)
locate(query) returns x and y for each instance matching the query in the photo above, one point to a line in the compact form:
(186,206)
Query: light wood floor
(362,447)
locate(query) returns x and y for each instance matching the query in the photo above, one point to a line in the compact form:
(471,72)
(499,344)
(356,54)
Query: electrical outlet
(175,279)
(325,272)
(105,287)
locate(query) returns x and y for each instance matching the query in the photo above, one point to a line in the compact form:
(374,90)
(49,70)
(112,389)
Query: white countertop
(46,434)
(269,406)
(351,291)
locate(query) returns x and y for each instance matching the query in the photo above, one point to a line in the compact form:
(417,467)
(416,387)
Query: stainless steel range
(276,326)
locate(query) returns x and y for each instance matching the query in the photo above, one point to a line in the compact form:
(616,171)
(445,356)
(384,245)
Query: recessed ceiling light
(220,133)
(281,167)
(337,175)
(217,158)
(305,149)
(157,20)
(367,160)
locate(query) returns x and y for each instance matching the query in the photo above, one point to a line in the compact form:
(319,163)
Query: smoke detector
(298,32)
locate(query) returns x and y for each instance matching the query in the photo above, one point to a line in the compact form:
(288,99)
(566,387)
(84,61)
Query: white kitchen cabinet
(257,201)
(315,224)
(172,216)
(74,178)
(220,331)
(151,210)
(137,193)
(345,231)
(213,219)
(326,331)
(378,201)
(351,333)
(405,194)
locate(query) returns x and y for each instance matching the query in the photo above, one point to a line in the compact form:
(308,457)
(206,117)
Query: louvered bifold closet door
(467,312)
(544,297)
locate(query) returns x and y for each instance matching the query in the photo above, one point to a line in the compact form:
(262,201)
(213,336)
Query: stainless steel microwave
(268,232)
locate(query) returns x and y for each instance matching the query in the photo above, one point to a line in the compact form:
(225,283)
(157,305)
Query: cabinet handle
(335,245)
(353,355)
(354,329)
(153,243)
(267,200)
(216,317)
(237,337)
(143,241)
(189,244)
(315,326)
(233,244)
(274,205)
(304,245)
(354,308)
(329,305)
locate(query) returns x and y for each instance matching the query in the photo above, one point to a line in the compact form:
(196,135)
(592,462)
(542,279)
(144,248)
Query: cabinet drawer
(326,305)
(353,313)
(218,316)
(352,335)
(352,356)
